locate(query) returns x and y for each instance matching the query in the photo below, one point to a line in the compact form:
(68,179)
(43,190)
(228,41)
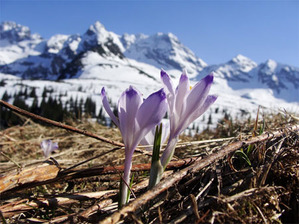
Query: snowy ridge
(282,81)
(162,51)
(236,69)
(14,32)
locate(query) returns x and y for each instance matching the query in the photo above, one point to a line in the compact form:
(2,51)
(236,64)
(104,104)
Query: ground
(258,183)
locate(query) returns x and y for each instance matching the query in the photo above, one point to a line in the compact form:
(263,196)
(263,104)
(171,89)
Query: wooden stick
(93,209)
(195,167)
(26,205)
(45,173)
(67,127)
(40,173)
(58,124)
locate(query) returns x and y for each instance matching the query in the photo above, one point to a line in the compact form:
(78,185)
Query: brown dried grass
(228,191)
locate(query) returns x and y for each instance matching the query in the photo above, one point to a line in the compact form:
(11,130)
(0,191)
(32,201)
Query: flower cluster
(137,118)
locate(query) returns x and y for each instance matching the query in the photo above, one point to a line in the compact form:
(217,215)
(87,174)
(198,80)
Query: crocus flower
(136,117)
(185,105)
(149,138)
(48,146)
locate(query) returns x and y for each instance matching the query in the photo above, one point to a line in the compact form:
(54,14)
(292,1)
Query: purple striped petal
(198,94)
(151,112)
(167,82)
(196,114)
(182,91)
(128,105)
(150,137)
(107,107)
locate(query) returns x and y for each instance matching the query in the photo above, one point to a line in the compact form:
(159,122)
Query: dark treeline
(72,109)
(49,107)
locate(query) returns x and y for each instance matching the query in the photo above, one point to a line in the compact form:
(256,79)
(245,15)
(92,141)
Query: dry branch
(245,193)
(49,172)
(58,124)
(40,173)
(93,209)
(195,167)
(25,205)
(66,127)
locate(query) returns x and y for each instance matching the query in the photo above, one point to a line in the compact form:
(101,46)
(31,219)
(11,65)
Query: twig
(23,206)
(91,210)
(58,124)
(260,212)
(188,211)
(39,173)
(246,193)
(45,174)
(195,167)
(7,157)
(87,160)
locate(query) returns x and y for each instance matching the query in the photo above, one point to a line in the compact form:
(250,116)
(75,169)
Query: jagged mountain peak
(96,28)
(129,39)
(270,65)
(241,59)
(97,34)
(14,32)
(279,77)
(237,69)
(56,43)
(162,50)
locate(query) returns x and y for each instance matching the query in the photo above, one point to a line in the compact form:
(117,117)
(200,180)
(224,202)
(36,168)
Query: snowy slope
(162,51)
(78,66)
(17,42)
(241,73)
(62,56)
(236,69)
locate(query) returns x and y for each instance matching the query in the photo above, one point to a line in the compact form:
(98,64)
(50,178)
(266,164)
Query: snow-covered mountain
(64,56)
(79,65)
(243,73)
(162,51)
(236,70)
(17,42)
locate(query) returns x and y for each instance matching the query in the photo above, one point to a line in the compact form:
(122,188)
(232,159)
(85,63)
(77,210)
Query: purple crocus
(185,105)
(149,138)
(136,117)
(48,146)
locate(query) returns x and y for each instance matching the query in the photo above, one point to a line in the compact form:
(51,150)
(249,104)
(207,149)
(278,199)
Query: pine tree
(25,93)
(5,96)
(210,119)
(44,94)
(34,107)
(32,93)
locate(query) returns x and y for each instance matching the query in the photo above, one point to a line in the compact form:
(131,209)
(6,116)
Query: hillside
(72,67)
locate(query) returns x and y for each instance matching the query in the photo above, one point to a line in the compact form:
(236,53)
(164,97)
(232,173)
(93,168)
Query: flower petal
(198,95)
(196,114)
(168,87)
(48,146)
(182,91)
(107,107)
(150,136)
(167,82)
(151,113)
(128,105)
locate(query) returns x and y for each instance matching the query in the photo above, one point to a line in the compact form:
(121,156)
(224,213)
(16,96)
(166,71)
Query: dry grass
(228,191)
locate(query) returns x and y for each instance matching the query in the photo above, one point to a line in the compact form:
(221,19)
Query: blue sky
(215,30)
